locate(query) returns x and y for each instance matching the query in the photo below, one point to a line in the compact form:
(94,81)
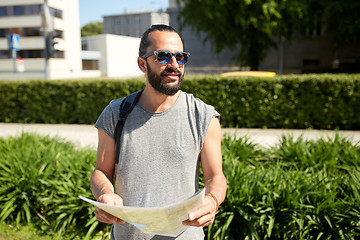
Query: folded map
(157,220)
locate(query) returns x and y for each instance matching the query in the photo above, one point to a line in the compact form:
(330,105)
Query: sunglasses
(164,57)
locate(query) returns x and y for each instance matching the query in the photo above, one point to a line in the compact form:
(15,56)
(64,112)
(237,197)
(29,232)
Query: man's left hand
(203,216)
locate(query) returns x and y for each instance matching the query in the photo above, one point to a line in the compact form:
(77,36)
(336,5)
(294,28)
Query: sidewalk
(86,135)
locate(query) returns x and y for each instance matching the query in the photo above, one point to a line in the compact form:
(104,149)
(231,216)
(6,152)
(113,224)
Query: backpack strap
(126,107)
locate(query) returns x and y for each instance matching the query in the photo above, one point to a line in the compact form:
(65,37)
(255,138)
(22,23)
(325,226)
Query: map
(157,220)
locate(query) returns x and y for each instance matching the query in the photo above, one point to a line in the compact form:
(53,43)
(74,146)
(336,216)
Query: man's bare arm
(215,182)
(102,178)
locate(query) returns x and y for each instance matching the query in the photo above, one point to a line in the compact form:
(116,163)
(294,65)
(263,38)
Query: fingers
(112,199)
(203,216)
(105,217)
(203,221)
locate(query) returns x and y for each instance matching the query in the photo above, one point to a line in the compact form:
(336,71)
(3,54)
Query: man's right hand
(102,216)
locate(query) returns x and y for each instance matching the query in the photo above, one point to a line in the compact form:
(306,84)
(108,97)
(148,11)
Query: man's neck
(157,102)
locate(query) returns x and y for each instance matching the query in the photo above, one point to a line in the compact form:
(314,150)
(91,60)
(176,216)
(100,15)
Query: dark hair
(145,42)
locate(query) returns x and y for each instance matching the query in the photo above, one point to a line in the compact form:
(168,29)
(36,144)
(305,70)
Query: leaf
(271,226)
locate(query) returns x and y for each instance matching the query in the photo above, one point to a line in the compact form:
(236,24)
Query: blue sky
(94,10)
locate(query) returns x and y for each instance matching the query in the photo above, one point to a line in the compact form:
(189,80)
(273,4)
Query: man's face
(159,82)
(165,78)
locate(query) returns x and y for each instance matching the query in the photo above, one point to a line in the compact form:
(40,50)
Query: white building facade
(103,56)
(24,17)
(112,56)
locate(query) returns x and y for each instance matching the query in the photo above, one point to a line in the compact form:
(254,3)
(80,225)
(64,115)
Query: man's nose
(174,64)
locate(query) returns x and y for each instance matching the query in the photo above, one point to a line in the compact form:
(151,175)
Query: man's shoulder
(194,100)
(115,103)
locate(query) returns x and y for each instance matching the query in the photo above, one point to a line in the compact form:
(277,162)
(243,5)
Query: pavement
(86,135)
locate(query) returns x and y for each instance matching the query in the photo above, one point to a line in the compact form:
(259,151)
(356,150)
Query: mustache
(170,70)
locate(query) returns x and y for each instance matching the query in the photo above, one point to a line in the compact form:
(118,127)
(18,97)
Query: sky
(94,10)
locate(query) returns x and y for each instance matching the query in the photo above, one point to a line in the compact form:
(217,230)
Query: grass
(297,190)
(9,232)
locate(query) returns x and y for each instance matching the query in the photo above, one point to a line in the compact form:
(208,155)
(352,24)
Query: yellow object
(249,73)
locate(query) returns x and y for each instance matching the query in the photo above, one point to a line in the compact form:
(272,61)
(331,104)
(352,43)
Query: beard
(157,82)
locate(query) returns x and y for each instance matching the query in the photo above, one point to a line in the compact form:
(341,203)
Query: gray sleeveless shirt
(159,157)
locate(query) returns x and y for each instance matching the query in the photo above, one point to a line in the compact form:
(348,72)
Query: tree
(258,25)
(254,24)
(339,20)
(92,28)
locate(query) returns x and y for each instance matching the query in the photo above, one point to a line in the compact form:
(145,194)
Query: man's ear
(142,64)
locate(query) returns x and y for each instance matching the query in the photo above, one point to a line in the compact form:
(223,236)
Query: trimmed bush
(323,101)
(292,101)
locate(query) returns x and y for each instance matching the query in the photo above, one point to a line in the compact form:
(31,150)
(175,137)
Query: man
(162,141)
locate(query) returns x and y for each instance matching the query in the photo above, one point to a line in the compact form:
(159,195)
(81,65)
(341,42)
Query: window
(315,30)
(56,13)
(2,11)
(311,66)
(23,32)
(31,53)
(5,54)
(39,53)
(31,32)
(84,45)
(32,9)
(59,34)
(117,22)
(4,33)
(18,10)
(311,62)
(58,54)
(90,64)
(137,19)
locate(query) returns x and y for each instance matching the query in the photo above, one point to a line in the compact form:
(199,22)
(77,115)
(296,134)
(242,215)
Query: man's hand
(203,216)
(105,217)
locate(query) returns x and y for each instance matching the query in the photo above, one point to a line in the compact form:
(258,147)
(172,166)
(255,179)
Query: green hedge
(323,101)
(60,101)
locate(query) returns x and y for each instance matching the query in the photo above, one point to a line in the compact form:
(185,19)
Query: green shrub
(41,179)
(321,101)
(60,101)
(297,190)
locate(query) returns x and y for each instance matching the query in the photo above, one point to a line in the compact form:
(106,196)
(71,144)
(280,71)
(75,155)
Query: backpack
(126,107)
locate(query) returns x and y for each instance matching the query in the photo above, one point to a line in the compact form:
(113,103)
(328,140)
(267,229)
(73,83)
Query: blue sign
(14,42)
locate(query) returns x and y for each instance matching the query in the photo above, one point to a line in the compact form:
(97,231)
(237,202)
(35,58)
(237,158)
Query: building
(202,59)
(310,54)
(111,56)
(114,54)
(24,17)
(133,24)
(102,56)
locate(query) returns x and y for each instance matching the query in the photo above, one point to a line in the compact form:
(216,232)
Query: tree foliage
(258,25)
(339,19)
(92,28)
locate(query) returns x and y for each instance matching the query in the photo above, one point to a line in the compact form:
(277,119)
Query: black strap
(126,107)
